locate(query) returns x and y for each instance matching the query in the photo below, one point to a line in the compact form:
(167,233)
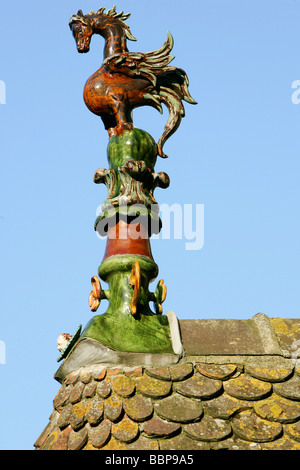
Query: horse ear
(79,13)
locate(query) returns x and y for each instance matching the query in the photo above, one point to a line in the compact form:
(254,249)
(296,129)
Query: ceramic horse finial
(129,80)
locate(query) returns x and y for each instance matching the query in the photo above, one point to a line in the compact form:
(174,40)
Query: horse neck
(115,38)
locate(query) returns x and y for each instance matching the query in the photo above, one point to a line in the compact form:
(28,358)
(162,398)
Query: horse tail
(169,85)
(171,90)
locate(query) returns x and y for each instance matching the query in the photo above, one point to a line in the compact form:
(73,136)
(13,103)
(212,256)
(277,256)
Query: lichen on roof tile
(51,439)
(246,387)
(151,387)
(86,376)
(100,375)
(125,430)
(251,427)
(276,408)
(283,443)
(199,386)
(62,441)
(156,427)
(89,390)
(65,416)
(114,444)
(293,430)
(76,392)
(208,402)
(182,442)
(225,406)
(123,386)
(144,443)
(77,439)
(138,408)
(162,373)
(180,372)
(268,374)
(71,378)
(289,389)
(79,413)
(61,397)
(178,408)
(209,429)
(216,371)
(95,413)
(104,389)
(287,331)
(113,407)
(100,435)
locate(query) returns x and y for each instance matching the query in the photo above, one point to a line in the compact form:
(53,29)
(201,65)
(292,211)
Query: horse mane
(112,13)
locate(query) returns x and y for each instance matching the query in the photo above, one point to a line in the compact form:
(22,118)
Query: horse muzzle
(83,45)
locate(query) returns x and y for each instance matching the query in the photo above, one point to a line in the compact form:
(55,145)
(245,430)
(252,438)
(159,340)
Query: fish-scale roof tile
(289,389)
(138,408)
(199,386)
(152,387)
(191,406)
(226,401)
(160,428)
(125,430)
(247,425)
(217,371)
(246,387)
(178,408)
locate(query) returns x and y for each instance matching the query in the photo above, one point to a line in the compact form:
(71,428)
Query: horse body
(128,80)
(112,96)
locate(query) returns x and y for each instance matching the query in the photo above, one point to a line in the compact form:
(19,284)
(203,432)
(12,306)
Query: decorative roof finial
(124,82)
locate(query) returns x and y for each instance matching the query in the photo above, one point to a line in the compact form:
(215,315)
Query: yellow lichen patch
(293,430)
(113,407)
(224,406)
(114,445)
(246,387)
(284,328)
(123,386)
(50,441)
(216,371)
(89,446)
(284,443)
(138,408)
(251,427)
(144,443)
(152,387)
(80,409)
(269,375)
(126,430)
(277,408)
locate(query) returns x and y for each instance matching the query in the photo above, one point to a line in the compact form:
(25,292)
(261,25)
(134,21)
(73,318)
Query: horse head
(82,30)
(106,24)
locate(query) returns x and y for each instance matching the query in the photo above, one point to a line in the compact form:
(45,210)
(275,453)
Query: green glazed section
(136,145)
(118,328)
(146,334)
(130,187)
(124,263)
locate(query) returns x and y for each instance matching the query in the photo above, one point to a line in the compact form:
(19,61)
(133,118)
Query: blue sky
(236,152)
